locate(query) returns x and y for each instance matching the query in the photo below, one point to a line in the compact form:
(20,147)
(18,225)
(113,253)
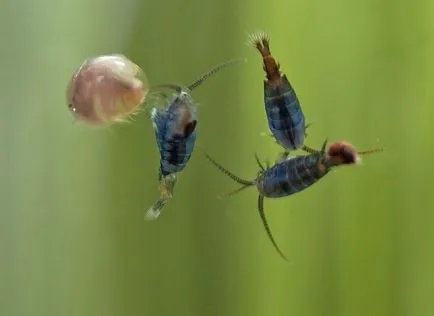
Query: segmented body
(285,116)
(291,176)
(175,131)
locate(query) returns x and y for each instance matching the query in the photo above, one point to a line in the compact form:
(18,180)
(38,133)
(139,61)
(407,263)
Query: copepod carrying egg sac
(106,89)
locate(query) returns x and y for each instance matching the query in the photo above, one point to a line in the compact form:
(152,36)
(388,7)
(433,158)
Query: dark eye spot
(189,128)
(348,156)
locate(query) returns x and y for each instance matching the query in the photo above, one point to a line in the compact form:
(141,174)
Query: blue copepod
(106,89)
(286,119)
(175,132)
(293,175)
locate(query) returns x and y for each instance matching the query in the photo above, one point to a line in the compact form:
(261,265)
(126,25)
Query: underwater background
(72,199)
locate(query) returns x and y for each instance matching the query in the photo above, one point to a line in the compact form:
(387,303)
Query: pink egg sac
(106,89)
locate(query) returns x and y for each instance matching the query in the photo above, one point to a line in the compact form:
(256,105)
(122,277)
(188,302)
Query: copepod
(285,116)
(106,89)
(175,131)
(294,175)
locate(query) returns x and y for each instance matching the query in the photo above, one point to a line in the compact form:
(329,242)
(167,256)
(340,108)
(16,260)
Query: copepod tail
(156,209)
(167,183)
(261,41)
(257,39)
(211,72)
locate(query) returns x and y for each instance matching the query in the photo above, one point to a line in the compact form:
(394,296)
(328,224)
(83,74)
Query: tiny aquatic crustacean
(106,89)
(284,113)
(175,132)
(293,175)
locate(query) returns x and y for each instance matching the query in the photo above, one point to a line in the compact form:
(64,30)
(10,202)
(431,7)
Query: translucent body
(106,89)
(175,132)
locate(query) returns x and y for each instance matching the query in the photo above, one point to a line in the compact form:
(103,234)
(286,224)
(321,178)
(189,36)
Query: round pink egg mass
(106,89)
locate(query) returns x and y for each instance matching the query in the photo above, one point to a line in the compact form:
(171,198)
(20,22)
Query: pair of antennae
(246,184)
(364,152)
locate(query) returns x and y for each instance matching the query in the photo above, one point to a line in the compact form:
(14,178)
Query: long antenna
(311,150)
(267,227)
(211,72)
(228,173)
(178,88)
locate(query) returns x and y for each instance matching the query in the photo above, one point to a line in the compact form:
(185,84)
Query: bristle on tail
(261,41)
(258,38)
(155,210)
(167,185)
(342,153)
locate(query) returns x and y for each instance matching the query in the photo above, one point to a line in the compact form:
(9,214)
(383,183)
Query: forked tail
(156,209)
(166,192)
(261,41)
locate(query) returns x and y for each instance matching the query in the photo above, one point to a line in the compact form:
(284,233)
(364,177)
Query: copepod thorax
(106,89)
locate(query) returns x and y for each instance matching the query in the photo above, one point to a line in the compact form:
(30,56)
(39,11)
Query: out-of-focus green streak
(56,240)
(72,236)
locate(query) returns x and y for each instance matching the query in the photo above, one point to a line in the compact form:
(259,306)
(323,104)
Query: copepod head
(163,96)
(106,89)
(342,153)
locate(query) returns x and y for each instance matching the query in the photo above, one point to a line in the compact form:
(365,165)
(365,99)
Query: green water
(72,199)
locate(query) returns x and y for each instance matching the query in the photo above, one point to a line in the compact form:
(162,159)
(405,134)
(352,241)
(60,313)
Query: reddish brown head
(106,89)
(342,153)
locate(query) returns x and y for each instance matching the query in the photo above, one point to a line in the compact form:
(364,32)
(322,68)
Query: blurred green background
(72,236)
